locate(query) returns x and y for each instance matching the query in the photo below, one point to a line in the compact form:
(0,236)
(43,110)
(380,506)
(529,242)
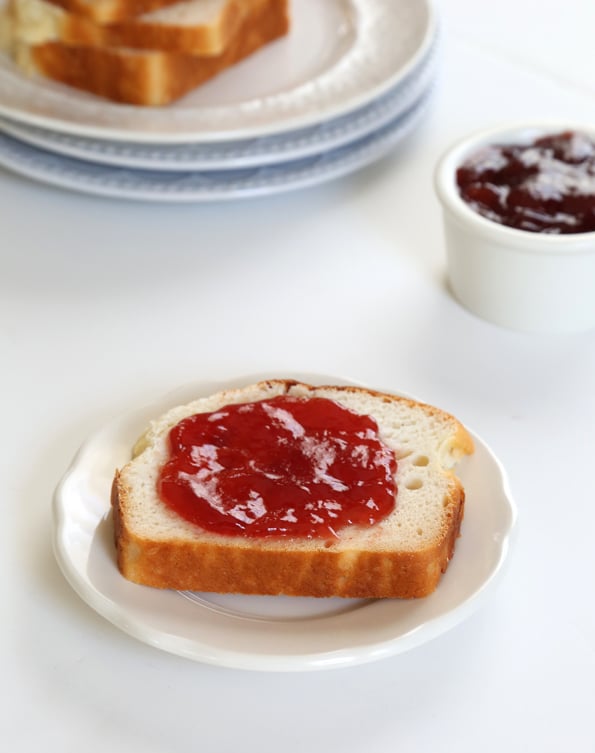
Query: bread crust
(227,568)
(109,11)
(147,33)
(294,567)
(154,78)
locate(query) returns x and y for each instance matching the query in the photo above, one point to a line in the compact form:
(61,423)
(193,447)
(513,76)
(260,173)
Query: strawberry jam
(286,466)
(547,186)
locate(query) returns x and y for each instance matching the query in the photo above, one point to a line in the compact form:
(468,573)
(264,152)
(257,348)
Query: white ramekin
(533,282)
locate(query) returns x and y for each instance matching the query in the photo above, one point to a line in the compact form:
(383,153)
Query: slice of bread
(108,11)
(194,27)
(6,31)
(402,556)
(149,77)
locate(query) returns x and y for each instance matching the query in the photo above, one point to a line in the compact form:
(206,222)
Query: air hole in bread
(414,483)
(420,532)
(421,460)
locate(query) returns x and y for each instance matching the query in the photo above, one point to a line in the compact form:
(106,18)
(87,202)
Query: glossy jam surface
(547,186)
(285,466)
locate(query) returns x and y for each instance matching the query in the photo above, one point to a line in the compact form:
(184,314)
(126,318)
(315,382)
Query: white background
(105,305)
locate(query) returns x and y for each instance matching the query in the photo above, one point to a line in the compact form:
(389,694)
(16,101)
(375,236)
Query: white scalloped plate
(225,155)
(204,186)
(269,633)
(340,55)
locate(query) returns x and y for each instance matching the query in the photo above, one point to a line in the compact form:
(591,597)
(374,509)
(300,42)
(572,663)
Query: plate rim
(273,662)
(269,180)
(288,146)
(98,131)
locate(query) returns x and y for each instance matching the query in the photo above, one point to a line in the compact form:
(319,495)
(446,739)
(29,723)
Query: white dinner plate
(269,633)
(204,186)
(255,152)
(339,56)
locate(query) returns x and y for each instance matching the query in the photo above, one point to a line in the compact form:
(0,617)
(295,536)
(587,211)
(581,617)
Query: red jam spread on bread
(546,186)
(286,466)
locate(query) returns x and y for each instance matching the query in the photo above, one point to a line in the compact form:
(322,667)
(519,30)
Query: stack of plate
(347,85)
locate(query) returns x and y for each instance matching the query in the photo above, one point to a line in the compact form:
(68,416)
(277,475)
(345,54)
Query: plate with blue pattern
(207,185)
(243,153)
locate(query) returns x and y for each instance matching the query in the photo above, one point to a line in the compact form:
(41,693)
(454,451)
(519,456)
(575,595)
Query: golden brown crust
(154,78)
(191,565)
(109,11)
(132,33)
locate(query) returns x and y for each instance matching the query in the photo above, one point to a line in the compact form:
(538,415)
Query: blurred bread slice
(6,30)
(108,11)
(195,27)
(149,77)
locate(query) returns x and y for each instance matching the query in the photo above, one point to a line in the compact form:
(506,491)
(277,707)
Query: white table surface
(105,305)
